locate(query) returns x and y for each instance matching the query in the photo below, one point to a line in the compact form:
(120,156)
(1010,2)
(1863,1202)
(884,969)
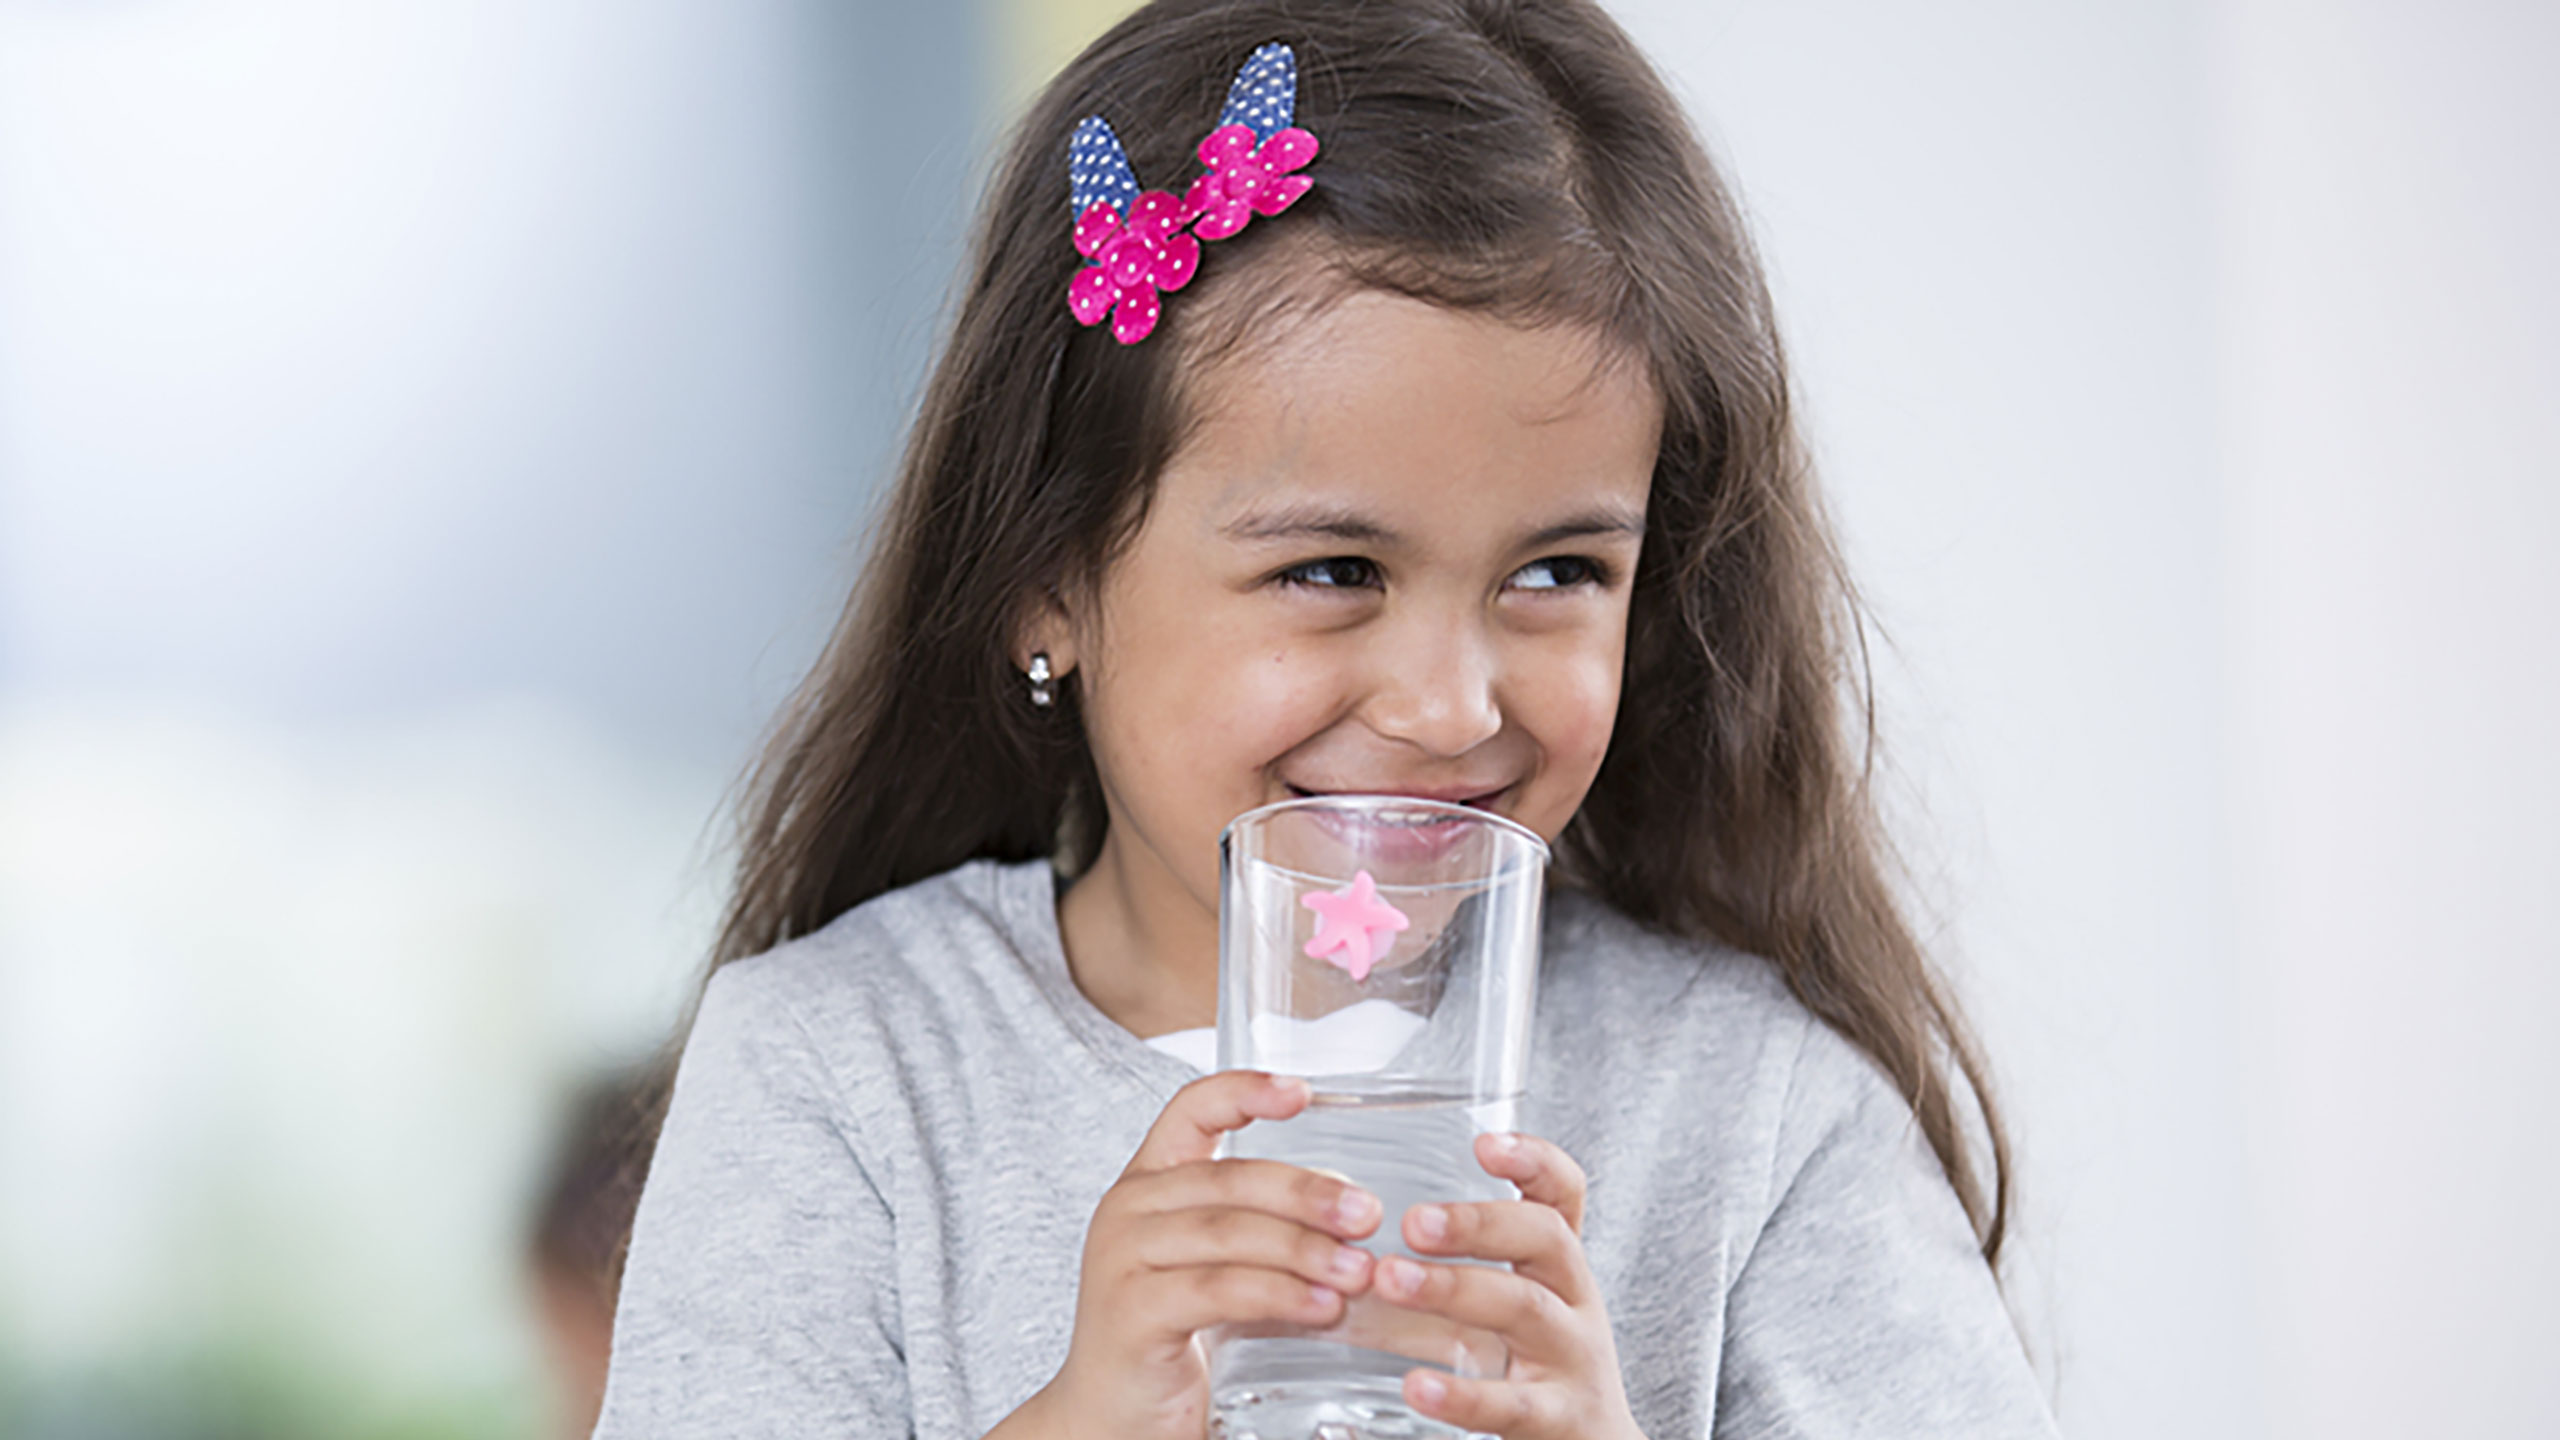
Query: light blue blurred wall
(359,360)
(433,437)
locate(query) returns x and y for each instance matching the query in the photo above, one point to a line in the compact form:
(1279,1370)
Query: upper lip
(1447,794)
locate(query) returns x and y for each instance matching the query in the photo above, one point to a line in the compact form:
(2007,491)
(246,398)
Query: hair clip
(1253,149)
(1138,243)
(1143,243)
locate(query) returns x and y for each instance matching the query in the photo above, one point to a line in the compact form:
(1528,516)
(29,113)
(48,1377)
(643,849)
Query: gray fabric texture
(867,1209)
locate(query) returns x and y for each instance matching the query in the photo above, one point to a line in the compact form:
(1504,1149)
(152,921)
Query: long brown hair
(1517,157)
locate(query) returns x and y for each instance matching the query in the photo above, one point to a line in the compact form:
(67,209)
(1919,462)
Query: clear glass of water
(1386,949)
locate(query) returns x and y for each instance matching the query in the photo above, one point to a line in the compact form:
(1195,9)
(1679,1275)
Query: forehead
(1426,415)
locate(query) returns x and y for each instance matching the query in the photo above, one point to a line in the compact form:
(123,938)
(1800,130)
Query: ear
(1047,627)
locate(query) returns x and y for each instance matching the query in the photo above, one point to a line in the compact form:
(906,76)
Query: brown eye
(1334,572)
(1558,572)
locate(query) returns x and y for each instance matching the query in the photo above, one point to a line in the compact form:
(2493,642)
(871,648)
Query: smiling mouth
(1478,801)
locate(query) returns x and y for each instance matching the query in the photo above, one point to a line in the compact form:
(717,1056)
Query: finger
(1227,1236)
(1541,1168)
(1513,1409)
(1291,1192)
(1532,1238)
(1189,1300)
(1211,1106)
(1532,1319)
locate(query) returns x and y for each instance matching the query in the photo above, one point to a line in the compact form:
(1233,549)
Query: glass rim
(1362,800)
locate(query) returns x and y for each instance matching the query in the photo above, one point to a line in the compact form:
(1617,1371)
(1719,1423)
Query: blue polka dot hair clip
(1144,243)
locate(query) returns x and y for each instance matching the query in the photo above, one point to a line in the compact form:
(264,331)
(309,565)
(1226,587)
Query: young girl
(1463,469)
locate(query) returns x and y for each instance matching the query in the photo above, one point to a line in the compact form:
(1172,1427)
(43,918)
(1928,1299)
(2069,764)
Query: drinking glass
(1386,949)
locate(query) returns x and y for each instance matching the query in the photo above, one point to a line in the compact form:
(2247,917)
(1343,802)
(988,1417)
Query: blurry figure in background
(580,1232)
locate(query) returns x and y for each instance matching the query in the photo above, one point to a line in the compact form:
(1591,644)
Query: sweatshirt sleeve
(1865,1307)
(760,1298)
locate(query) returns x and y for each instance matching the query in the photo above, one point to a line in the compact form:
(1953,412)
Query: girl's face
(1394,556)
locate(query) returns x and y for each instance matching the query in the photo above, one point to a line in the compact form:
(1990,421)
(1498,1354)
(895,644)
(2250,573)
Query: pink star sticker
(1353,926)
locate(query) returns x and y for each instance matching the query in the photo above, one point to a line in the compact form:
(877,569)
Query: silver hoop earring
(1041,694)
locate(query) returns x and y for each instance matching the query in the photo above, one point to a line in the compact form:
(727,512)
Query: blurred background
(435,433)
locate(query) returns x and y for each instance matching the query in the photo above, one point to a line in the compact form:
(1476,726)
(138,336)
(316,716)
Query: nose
(1432,686)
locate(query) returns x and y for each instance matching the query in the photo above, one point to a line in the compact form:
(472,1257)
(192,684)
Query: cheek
(1571,713)
(1584,712)
(1273,695)
(1206,704)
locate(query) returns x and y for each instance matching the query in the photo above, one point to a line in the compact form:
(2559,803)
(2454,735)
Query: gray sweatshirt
(868,1207)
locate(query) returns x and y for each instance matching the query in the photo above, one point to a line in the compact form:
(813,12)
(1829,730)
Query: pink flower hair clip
(1142,244)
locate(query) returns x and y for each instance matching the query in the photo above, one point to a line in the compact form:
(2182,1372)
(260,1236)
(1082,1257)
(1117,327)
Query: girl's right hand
(1183,1242)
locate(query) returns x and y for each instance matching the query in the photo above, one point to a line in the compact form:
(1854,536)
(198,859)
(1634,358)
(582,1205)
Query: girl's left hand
(1563,1382)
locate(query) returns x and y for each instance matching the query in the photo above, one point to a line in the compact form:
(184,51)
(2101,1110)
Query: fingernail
(1348,1262)
(1289,1087)
(1430,1389)
(1506,1144)
(1398,1276)
(1431,1223)
(1355,1207)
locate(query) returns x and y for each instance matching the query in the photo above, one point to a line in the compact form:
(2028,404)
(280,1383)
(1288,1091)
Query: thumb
(1209,1107)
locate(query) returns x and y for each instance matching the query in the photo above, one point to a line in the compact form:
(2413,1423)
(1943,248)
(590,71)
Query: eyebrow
(1599,520)
(1300,522)
(1332,522)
